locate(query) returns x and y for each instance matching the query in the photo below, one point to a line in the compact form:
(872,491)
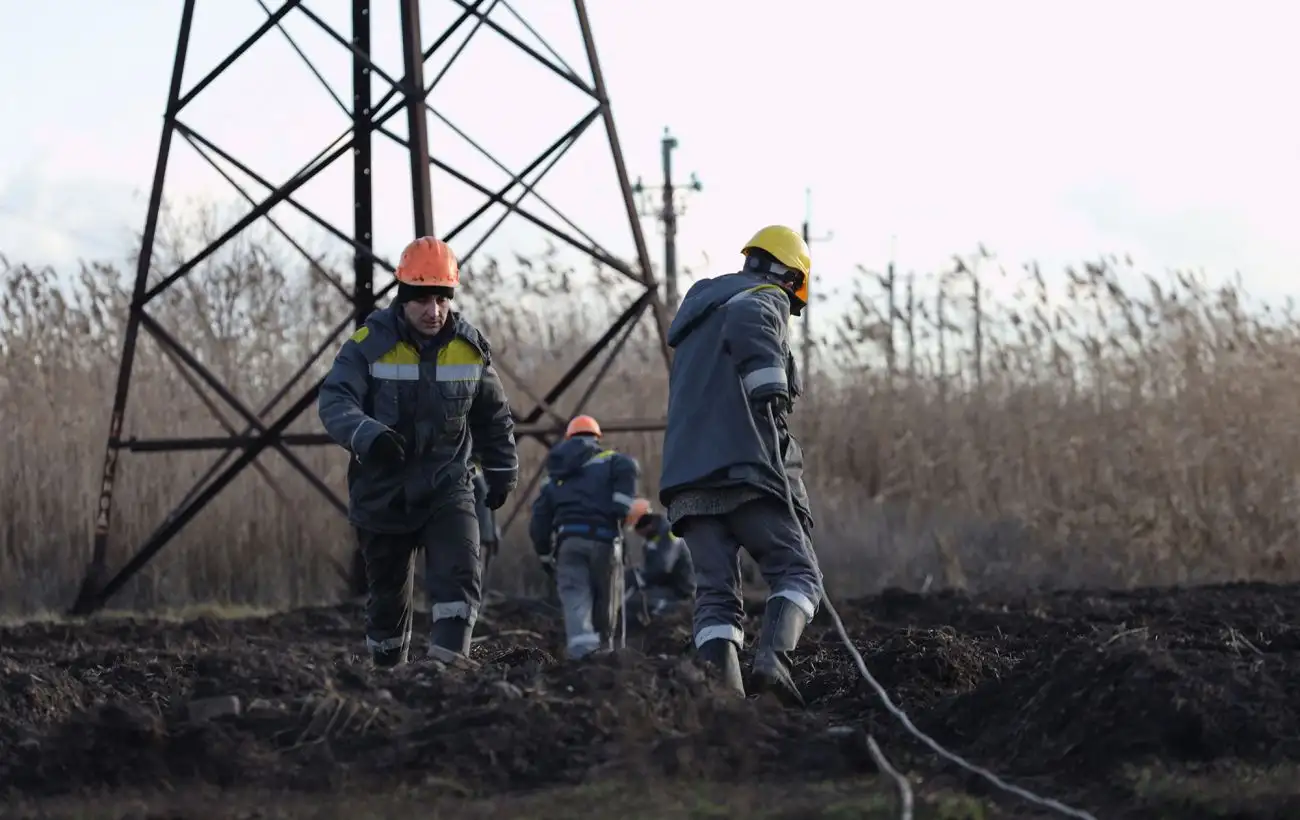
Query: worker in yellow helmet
(413,396)
(730,464)
(577,530)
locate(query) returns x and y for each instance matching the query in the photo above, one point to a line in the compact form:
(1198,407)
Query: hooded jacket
(442,395)
(731,350)
(587,492)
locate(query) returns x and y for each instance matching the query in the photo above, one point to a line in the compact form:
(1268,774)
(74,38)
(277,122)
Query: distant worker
(666,579)
(733,382)
(577,524)
(410,395)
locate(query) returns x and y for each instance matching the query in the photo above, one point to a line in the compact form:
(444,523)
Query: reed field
(1113,437)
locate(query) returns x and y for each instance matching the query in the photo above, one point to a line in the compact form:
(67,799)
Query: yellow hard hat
(788,248)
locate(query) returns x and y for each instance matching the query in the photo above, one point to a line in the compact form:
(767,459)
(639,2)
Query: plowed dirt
(1156,703)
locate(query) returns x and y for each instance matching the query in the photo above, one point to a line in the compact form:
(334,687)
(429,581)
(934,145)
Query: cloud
(1218,239)
(47,219)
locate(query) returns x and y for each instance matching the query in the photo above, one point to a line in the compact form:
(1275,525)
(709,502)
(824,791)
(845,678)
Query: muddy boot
(721,654)
(450,641)
(783,623)
(389,653)
(389,658)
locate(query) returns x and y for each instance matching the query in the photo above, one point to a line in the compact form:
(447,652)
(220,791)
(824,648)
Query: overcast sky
(1055,131)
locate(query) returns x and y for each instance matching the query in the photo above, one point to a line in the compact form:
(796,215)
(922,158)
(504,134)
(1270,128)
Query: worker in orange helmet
(666,578)
(732,470)
(413,395)
(577,528)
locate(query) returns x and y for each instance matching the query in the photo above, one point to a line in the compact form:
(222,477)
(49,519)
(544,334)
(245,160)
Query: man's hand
(496,499)
(545,554)
(388,449)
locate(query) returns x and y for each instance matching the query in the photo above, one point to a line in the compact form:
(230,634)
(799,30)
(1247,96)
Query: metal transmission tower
(408,94)
(667,212)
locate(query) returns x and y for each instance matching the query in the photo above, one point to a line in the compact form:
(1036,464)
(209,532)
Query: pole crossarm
(267,426)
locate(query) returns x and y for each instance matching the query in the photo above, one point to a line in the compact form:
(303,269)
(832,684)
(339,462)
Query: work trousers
(452,574)
(773,539)
(589,580)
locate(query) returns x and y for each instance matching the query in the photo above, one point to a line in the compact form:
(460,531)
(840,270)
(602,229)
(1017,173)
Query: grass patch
(1229,789)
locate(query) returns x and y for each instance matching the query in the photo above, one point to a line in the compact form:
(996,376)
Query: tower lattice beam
(258,427)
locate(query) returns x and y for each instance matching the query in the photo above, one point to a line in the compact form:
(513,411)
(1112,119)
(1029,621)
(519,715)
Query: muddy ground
(1178,704)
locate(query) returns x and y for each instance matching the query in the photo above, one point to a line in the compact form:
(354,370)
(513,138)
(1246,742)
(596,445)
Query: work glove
(546,554)
(543,549)
(779,403)
(496,499)
(388,449)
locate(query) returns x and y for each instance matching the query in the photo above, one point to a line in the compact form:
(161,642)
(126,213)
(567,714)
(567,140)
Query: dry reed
(1111,439)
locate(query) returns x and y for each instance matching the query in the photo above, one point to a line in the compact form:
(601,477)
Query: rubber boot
(383,655)
(721,654)
(450,643)
(389,658)
(783,624)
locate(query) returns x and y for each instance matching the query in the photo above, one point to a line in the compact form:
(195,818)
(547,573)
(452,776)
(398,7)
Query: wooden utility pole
(807,348)
(667,211)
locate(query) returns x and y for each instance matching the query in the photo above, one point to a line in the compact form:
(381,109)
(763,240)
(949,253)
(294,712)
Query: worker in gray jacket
(666,578)
(410,394)
(731,467)
(577,524)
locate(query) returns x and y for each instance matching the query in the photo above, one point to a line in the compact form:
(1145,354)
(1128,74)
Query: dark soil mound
(1064,689)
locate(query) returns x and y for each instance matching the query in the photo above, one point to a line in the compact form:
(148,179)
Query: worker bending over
(666,579)
(732,384)
(410,395)
(577,523)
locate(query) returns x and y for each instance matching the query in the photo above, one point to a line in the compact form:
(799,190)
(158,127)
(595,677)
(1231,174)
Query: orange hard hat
(581,425)
(428,263)
(640,507)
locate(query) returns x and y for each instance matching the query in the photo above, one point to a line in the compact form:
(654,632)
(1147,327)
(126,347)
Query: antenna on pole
(806,349)
(667,211)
